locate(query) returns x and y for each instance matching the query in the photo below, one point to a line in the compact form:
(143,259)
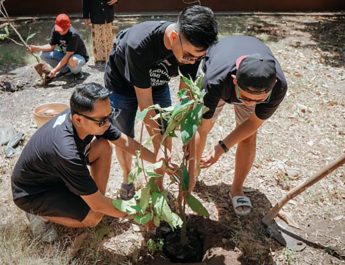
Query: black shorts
(55,203)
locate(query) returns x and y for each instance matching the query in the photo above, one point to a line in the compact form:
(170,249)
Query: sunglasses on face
(257,101)
(101,122)
(186,56)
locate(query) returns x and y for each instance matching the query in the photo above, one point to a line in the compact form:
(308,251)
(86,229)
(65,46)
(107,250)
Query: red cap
(62,23)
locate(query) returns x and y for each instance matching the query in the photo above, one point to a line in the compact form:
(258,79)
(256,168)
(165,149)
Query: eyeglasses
(257,101)
(101,122)
(186,56)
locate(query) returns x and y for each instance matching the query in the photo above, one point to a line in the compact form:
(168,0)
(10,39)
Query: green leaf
(129,206)
(168,109)
(6,34)
(161,207)
(156,107)
(188,82)
(156,221)
(176,221)
(153,187)
(172,134)
(142,114)
(30,36)
(179,113)
(192,87)
(196,206)
(199,82)
(191,123)
(185,180)
(153,174)
(182,94)
(144,198)
(137,195)
(143,219)
(134,174)
(158,164)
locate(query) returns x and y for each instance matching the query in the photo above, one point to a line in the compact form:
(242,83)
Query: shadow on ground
(230,239)
(324,34)
(329,35)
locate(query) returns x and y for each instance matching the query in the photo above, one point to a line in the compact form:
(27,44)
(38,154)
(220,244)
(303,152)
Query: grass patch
(18,247)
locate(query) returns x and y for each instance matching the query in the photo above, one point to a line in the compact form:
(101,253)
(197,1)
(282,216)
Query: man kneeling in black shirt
(51,180)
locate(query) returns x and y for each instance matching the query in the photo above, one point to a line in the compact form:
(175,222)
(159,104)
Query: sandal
(241,201)
(127,191)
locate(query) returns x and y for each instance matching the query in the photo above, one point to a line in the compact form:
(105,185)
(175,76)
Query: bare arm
(240,133)
(61,64)
(145,100)
(198,144)
(101,204)
(131,146)
(111,2)
(193,149)
(43,48)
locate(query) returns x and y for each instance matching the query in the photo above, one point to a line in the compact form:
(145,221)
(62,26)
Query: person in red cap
(66,51)
(239,70)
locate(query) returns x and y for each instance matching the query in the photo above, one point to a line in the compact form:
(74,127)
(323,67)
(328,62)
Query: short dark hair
(85,96)
(198,25)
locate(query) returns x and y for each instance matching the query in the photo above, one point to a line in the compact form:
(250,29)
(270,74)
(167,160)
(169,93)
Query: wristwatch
(222,144)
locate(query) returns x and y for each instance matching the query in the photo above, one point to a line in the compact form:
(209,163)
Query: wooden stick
(4,13)
(268,218)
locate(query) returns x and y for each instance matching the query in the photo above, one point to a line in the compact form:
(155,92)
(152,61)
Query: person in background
(100,14)
(66,51)
(142,56)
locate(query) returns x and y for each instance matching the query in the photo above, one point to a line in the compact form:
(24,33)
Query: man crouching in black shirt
(51,180)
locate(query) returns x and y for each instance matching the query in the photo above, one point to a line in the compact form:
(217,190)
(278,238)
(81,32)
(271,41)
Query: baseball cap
(62,23)
(255,71)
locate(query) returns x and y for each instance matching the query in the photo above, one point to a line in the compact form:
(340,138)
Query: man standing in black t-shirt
(66,50)
(239,70)
(51,180)
(140,64)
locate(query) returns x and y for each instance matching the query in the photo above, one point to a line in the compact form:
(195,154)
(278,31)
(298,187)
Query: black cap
(256,72)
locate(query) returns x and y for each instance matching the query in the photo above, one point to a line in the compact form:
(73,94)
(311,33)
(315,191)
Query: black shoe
(127,191)
(78,76)
(60,74)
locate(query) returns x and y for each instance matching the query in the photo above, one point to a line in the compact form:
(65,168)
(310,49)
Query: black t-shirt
(55,158)
(98,11)
(220,64)
(139,58)
(70,42)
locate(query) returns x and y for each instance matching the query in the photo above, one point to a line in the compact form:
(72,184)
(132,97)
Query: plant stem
(141,158)
(182,206)
(163,142)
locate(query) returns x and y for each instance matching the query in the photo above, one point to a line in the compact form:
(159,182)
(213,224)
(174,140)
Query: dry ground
(306,133)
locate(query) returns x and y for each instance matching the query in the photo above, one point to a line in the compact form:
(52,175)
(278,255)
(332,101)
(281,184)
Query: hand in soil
(52,73)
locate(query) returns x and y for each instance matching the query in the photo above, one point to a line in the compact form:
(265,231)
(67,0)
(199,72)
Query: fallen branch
(4,13)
